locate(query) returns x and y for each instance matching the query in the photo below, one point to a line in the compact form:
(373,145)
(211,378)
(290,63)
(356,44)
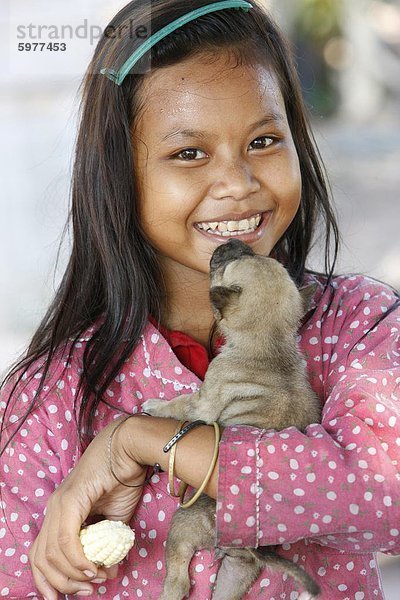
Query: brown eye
(188,154)
(262,146)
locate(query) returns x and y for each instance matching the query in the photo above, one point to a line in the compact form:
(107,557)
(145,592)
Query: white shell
(106,543)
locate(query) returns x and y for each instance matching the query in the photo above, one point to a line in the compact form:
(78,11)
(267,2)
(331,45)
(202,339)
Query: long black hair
(113,278)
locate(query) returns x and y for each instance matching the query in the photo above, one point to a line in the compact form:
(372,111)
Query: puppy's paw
(155,407)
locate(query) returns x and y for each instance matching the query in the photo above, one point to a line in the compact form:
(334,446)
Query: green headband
(119,76)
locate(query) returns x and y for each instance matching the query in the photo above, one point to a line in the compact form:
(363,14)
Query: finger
(62,549)
(48,559)
(57,582)
(111,572)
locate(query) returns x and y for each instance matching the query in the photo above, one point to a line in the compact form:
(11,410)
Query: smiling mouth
(231,228)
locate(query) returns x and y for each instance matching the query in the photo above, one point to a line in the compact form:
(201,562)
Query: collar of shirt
(188,350)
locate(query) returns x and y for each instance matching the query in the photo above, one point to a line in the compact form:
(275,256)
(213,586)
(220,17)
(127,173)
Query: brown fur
(257,379)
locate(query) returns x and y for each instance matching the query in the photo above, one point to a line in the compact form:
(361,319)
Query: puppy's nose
(225,253)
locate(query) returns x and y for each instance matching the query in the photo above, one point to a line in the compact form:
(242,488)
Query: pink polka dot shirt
(329,497)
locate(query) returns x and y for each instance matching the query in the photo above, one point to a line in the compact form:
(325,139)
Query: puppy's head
(250,292)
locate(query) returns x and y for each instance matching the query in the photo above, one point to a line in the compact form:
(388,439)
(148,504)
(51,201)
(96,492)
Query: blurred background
(348,57)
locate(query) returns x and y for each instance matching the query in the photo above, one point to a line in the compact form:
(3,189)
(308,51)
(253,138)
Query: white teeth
(226,228)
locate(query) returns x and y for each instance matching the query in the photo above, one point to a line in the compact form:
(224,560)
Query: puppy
(258,379)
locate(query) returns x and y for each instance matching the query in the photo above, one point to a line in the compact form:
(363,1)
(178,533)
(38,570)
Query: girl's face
(215,158)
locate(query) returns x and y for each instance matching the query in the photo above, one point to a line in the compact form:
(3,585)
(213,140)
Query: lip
(248,238)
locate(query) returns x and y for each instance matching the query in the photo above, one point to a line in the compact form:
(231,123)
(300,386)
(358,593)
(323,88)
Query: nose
(234,180)
(225,253)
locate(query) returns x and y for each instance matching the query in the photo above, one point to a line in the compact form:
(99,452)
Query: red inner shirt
(190,352)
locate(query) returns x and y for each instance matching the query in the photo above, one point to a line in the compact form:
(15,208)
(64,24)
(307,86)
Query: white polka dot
(368,496)
(293,464)
(314,528)
(68,415)
(250,521)
(354,324)
(331,496)
(159,565)
(332,464)
(227,518)
(10,552)
(387,500)
(379,408)
(152,534)
(313,341)
(392,421)
(350,566)
(321,571)
(154,338)
(246,470)
(64,445)
(5,591)
(251,452)
(143,552)
(282,527)
(298,492)
(273,475)
(342,587)
(299,509)
(52,409)
(161,515)
(354,509)
(264,582)
(310,477)
(199,568)
(299,448)
(359,596)
(326,519)
(351,478)
(271,448)
(125,581)
(39,492)
(363,464)
(147,498)
(394,532)
(379,478)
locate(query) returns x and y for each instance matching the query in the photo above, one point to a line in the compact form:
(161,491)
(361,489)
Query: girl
(201,137)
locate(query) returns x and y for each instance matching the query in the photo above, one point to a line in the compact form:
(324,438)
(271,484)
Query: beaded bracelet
(180,433)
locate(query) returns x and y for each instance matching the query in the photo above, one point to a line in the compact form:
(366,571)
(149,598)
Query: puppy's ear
(307,294)
(221,296)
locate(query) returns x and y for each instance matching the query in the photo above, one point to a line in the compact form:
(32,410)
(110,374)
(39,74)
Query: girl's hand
(56,557)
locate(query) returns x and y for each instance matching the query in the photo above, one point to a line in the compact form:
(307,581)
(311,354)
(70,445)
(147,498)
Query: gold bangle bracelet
(171,463)
(197,494)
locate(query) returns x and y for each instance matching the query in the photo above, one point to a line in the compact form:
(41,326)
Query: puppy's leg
(191,529)
(181,407)
(238,571)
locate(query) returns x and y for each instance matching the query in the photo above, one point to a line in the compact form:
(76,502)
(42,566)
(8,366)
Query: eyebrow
(198,134)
